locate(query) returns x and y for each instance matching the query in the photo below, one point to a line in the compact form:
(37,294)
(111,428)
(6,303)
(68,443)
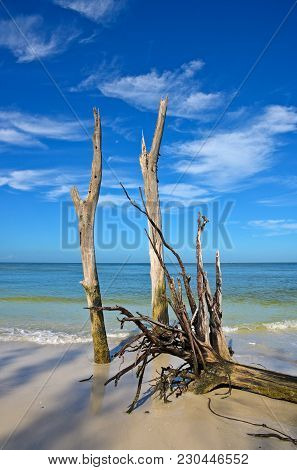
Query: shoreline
(271,349)
(44,406)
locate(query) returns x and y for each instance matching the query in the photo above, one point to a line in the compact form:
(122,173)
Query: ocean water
(44,303)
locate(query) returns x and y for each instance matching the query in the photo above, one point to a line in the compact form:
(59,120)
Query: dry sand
(43,406)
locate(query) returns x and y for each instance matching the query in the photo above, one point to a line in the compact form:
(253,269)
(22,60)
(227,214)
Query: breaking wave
(50,337)
(274,326)
(58,337)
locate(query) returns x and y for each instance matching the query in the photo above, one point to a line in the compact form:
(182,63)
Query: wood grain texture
(149,168)
(86,210)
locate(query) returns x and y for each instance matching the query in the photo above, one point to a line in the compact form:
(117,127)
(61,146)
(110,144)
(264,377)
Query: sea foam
(273,326)
(50,337)
(59,337)
(282,325)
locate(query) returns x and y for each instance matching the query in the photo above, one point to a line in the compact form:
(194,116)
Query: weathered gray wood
(149,168)
(252,379)
(201,322)
(86,210)
(217,337)
(208,319)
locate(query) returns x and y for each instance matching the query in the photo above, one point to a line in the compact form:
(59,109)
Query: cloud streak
(183,192)
(282,200)
(275,227)
(187,100)
(28,130)
(55,183)
(51,183)
(229,158)
(27,40)
(100,11)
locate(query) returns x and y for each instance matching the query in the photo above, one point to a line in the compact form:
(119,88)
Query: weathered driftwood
(196,339)
(149,168)
(252,379)
(276,433)
(86,210)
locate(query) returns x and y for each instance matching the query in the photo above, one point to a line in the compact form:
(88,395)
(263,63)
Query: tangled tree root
(196,338)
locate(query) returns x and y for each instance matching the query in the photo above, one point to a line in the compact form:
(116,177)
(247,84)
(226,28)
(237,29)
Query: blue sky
(59,58)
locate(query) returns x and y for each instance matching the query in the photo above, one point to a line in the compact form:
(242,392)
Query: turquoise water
(45,302)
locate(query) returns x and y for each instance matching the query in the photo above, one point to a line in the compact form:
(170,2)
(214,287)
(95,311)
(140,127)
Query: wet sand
(44,406)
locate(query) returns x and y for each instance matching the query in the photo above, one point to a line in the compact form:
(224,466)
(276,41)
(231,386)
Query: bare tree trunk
(201,322)
(217,337)
(149,167)
(208,322)
(251,379)
(86,210)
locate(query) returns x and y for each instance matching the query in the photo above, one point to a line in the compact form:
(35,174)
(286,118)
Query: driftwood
(149,168)
(86,210)
(276,432)
(196,338)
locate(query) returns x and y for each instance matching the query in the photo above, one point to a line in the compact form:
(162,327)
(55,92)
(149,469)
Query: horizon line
(147,263)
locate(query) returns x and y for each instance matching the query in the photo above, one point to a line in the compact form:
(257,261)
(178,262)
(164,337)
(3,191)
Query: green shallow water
(45,302)
(41,299)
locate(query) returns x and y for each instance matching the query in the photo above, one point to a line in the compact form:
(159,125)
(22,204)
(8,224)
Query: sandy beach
(148,189)
(44,406)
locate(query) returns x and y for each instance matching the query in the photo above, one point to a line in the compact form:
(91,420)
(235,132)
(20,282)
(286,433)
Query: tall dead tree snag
(86,210)
(149,168)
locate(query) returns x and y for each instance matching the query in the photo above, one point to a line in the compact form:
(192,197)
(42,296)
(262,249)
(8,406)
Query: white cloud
(228,158)
(274,227)
(23,129)
(54,183)
(26,180)
(99,11)
(27,40)
(183,191)
(186,99)
(58,191)
(10,136)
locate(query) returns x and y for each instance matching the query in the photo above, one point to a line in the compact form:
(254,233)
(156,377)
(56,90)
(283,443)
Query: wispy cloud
(55,183)
(9,136)
(28,130)
(275,227)
(50,183)
(119,126)
(183,191)
(187,100)
(100,11)
(26,180)
(88,39)
(229,158)
(282,200)
(27,39)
